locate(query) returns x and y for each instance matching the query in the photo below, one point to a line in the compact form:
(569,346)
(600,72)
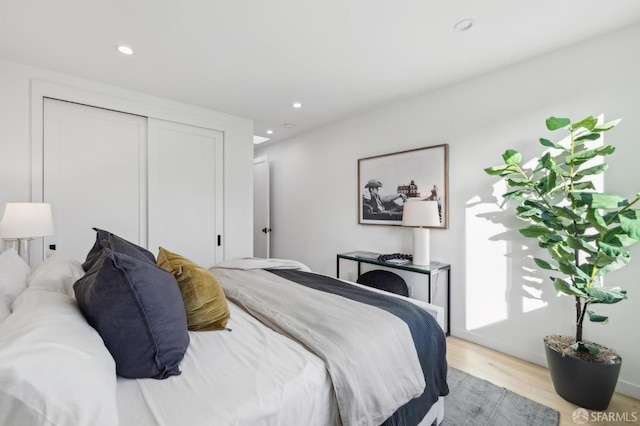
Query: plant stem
(581,310)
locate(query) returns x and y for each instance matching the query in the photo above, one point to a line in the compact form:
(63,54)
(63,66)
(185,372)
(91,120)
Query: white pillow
(57,273)
(13,275)
(54,367)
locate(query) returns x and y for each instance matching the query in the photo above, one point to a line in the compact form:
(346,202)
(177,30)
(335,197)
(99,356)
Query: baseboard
(629,389)
(502,346)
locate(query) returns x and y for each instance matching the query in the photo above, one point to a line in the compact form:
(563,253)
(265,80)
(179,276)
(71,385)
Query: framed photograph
(385,182)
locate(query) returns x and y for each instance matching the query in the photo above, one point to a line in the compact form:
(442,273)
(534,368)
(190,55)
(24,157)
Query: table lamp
(419,214)
(24,221)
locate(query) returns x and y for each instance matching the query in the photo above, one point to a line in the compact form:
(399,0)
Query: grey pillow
(105,239)
(137,309)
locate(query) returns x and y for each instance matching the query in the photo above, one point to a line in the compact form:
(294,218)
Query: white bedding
(248,376)
(251,375)
(359,343)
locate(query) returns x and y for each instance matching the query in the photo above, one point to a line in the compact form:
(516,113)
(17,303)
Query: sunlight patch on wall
(502,278)
(486,265)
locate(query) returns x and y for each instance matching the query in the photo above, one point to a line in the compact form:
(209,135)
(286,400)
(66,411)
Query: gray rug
(473,401)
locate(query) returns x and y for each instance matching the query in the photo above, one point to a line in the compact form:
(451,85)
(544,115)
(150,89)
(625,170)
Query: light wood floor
(529,380)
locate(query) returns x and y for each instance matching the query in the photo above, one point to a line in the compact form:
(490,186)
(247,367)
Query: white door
(185,191)
(261,221)
(94,174)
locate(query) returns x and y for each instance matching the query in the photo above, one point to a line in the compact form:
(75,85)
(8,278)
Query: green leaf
(552,222)
(519,181)
(606,295)
(614,250)
(612,257)
(564,287)
(550,239)
(588,123)
(535,231)
(502,170)
(597,200)
(607,126)
(561,254)
(618,237)
(512,157)
(545,163)
(582,186)
(602,260)
(597,318)
(566,212)
(554,123)
(571,269)
(582,157)
(546,183)
(630,223)
(580,244)
(547,142)
(527,212)
(588,137)
(544,264)
(514,195)
(596,220)
(592,170)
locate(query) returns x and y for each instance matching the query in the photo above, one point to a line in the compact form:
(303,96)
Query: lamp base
(421,246)
(22,246)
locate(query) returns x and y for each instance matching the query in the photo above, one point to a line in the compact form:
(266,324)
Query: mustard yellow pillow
(204,301)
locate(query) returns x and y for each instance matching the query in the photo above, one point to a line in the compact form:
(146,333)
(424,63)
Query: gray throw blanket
(369,352)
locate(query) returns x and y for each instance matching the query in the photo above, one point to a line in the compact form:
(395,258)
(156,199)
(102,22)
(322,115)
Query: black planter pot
(586,384)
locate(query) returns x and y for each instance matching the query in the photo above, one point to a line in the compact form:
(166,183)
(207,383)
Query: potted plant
(586,234)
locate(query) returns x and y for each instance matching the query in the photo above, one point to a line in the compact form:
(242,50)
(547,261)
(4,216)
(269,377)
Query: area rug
(474,401)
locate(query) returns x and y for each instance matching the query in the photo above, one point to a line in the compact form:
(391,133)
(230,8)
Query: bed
(292,347)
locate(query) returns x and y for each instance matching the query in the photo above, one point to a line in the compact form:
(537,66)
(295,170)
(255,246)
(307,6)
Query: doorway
(261,220)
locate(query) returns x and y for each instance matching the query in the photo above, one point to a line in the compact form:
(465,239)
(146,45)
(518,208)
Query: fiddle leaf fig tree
(585,232)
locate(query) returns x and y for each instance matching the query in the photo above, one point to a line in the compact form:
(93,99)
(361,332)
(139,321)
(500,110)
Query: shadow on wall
(507,285)
(512,285)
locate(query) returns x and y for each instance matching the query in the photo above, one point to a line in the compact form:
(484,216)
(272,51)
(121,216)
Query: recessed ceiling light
(269,132)
(464,25)
(297,105)
(125,50)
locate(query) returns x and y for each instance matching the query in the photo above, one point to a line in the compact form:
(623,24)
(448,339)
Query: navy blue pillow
(137,309)
(105,239)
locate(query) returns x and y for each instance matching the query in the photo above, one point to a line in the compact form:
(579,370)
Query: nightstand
(430,270)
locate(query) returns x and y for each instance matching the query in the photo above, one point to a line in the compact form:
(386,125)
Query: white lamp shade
(420,213)
(26,220)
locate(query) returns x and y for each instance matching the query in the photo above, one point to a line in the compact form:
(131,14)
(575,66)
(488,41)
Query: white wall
(497,300)
(18,104)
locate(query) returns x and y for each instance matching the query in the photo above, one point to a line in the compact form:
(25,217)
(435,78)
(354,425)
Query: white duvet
(248,376)
(55,370)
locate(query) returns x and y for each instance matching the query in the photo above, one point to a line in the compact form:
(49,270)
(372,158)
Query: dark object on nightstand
(384,280)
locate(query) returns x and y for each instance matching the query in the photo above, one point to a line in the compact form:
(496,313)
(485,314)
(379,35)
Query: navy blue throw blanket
(427,335)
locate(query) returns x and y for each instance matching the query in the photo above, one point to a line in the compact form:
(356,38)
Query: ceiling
(255,58)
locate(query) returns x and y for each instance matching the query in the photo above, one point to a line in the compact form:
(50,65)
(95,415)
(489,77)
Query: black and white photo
(386,182)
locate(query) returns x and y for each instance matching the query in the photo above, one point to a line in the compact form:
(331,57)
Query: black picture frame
(421,173)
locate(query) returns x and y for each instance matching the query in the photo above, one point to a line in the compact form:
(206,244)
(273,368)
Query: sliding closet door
(94,174)
(185,190)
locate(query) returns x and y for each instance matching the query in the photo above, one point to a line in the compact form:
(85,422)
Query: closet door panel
(94,174)
(185,190)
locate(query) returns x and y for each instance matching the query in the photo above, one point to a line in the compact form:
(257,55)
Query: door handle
(266,230)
